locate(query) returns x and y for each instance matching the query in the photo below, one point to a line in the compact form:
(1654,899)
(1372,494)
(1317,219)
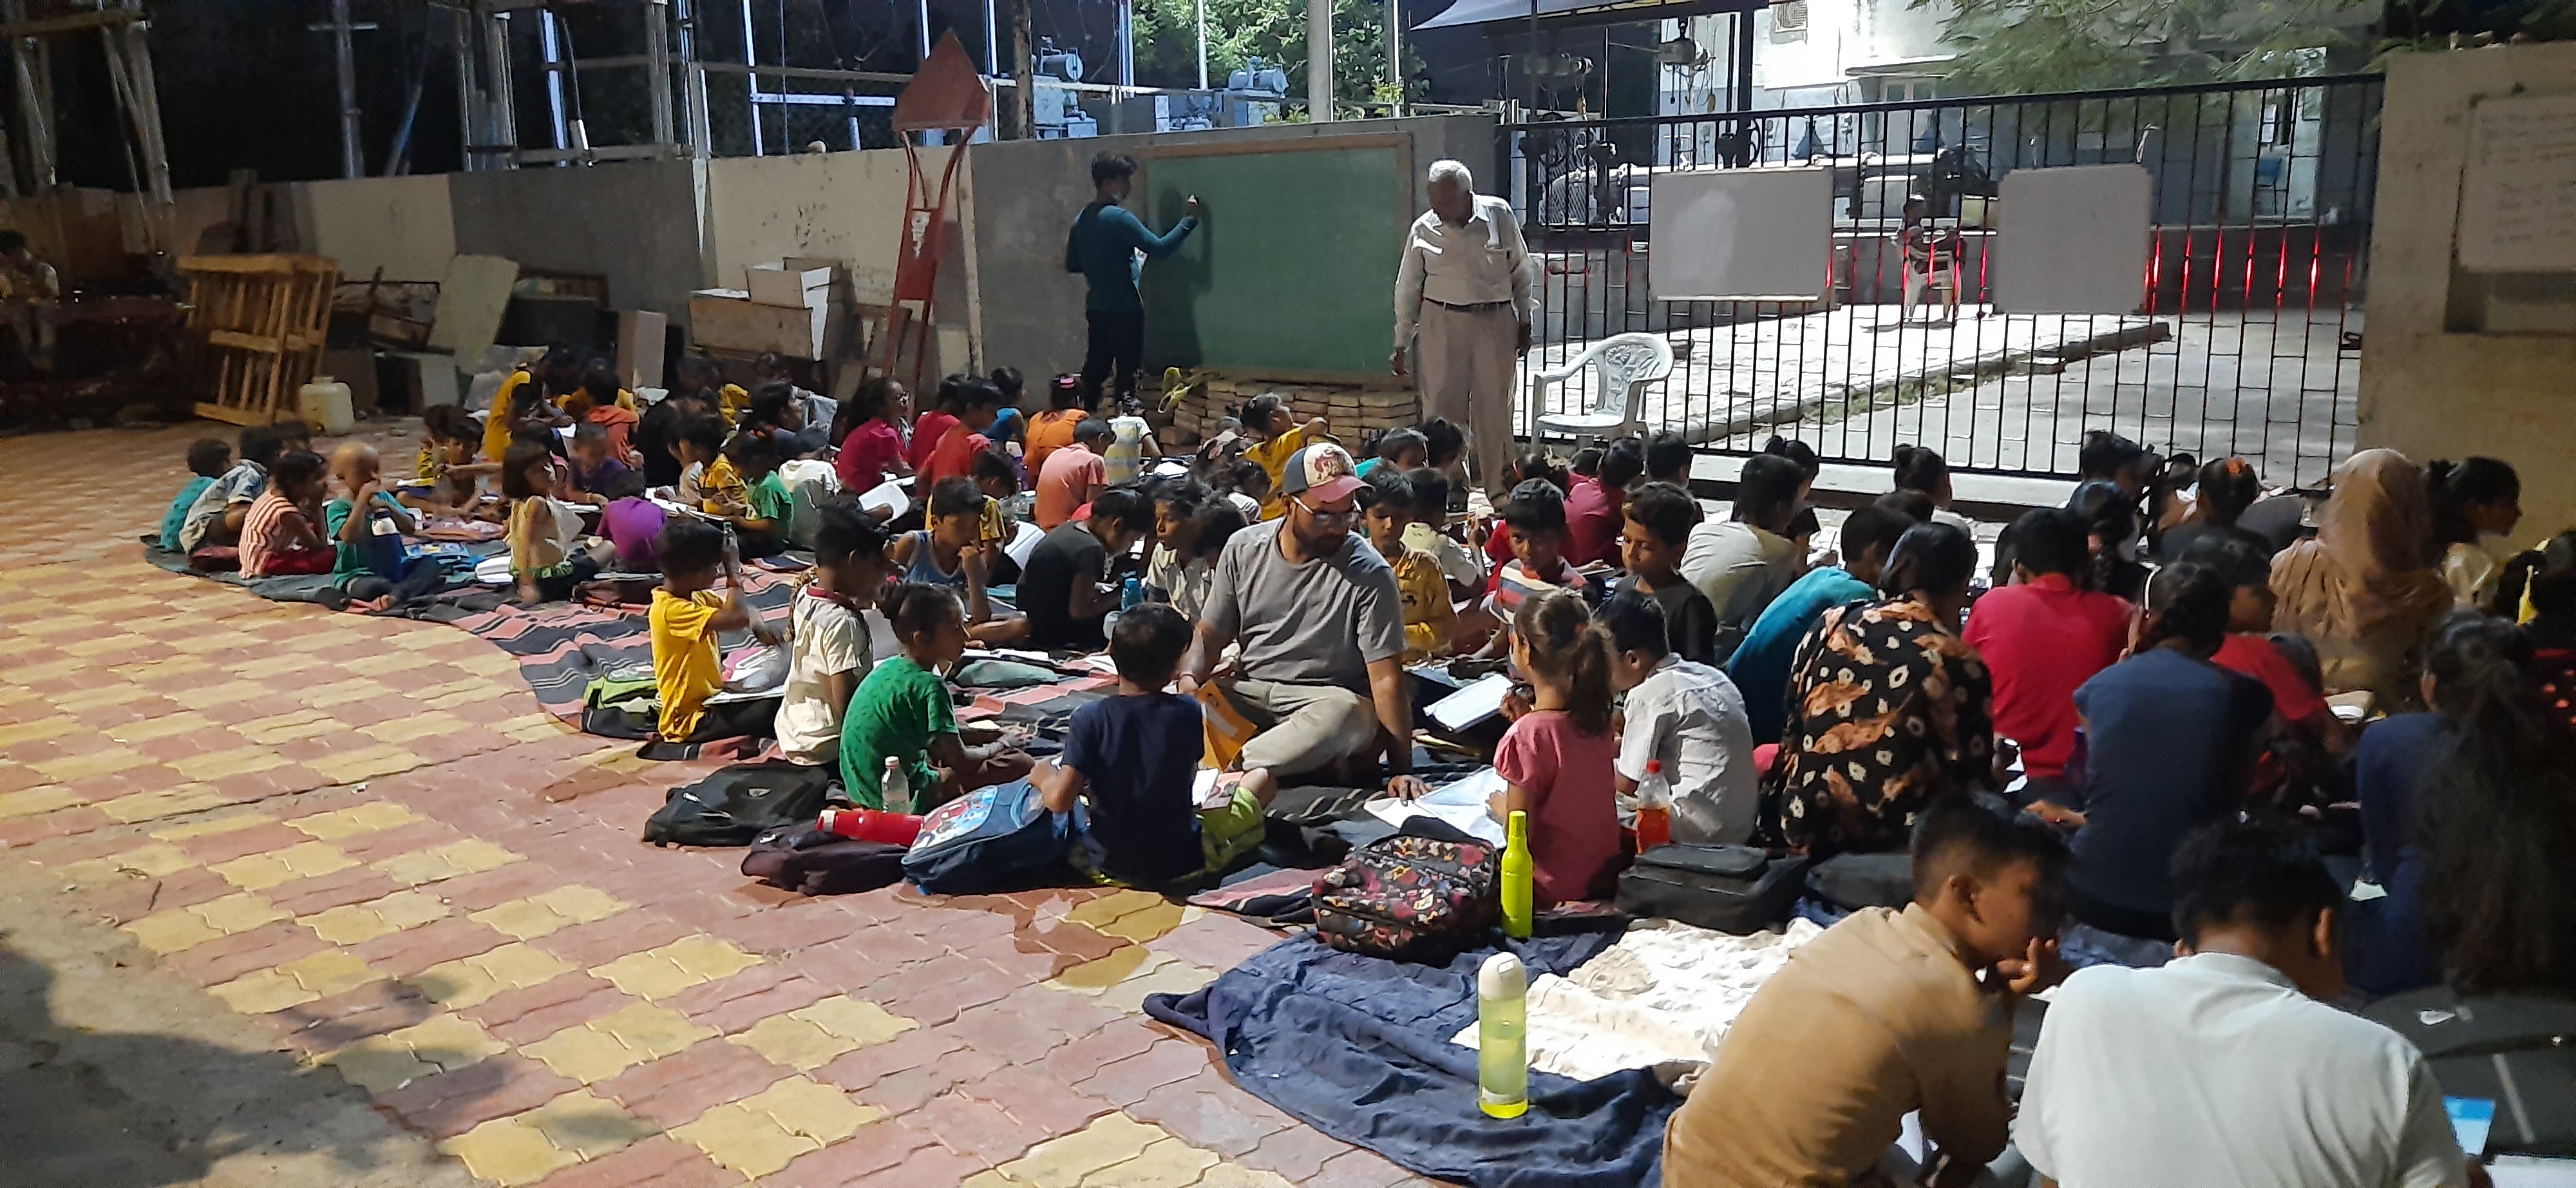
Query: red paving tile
(1037,1100)
(863,1068)
(452,1103)
(675,1089)
(1129,1081)
(930,1165)
(1119,1039)
(656,1162)
(976,1128)
(1206,1110)
(876,1147)
(1297,1152)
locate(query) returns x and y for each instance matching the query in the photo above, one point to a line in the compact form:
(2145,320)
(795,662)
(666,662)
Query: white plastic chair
(1622,365)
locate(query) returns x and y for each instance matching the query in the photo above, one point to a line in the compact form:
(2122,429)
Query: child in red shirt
(970,403)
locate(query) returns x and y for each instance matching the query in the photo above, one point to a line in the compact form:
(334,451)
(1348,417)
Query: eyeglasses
(1344,516)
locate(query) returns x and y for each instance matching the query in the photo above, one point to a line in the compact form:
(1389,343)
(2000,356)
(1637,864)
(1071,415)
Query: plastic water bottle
(1502,1037)
(1518,907)
(896,787)
(1133,595)
(1654,808)
(861,824)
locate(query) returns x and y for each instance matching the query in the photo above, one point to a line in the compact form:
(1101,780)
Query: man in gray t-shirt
(1321,626)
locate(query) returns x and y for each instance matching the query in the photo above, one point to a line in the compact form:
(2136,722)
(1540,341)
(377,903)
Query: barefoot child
(277,534)
(547,556)
(830,649)
(1556,759)
(449,463)
(368,544)
(1134,759)
(902,712)
(216,518)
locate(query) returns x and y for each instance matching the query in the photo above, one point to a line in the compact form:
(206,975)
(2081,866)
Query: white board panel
(1742,234)
(2073,239)
(2518,199)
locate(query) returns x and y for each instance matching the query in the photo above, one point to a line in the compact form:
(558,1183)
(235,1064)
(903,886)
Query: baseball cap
(1322,471)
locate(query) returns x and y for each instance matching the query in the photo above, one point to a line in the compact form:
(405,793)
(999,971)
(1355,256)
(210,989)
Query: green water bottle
(1502,1038)
(1517,870)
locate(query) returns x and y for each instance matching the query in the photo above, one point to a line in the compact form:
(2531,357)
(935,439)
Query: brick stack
(1354,411)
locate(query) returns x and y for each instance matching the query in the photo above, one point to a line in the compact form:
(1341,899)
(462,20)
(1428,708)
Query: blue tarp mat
(1358,1048)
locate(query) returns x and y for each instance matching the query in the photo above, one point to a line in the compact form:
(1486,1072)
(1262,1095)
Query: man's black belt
(1478,307)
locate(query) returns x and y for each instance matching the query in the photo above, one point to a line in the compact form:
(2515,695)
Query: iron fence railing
(2246,339)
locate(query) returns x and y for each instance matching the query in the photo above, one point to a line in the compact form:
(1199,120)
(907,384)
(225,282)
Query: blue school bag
(993,839)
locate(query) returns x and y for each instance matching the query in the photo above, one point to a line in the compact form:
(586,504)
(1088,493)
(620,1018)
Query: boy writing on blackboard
(1104,248)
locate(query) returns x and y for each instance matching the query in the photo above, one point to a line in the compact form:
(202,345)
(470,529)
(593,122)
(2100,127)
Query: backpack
(993,839)
(1426,894)
(1855,881)
(1736,889)
(738,803)
(622,704)
(808,861)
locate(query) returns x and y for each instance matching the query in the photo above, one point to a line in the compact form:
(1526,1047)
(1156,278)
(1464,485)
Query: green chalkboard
(1292,269)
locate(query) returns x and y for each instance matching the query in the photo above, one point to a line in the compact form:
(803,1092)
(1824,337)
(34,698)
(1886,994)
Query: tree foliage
(2008,47)
(1273,31)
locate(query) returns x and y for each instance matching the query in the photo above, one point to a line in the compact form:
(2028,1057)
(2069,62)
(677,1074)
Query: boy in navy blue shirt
(1134,759)
(1103,247)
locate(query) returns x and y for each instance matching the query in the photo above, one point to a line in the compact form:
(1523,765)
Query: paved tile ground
(365,834)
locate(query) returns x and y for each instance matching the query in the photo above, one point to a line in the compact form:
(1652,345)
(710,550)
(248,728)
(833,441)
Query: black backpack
(1738,889)
(738,803)
(808,861)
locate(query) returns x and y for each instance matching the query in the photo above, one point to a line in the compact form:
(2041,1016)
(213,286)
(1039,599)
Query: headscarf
(2369,565)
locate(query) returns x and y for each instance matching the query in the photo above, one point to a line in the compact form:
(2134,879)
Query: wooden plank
(236,416)
(268,262)
(107,18)
(263,343)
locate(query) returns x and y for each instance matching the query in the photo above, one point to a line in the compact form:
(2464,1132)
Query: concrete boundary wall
(2427,391)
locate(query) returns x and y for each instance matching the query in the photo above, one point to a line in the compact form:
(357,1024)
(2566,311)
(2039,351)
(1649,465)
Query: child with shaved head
(371,567)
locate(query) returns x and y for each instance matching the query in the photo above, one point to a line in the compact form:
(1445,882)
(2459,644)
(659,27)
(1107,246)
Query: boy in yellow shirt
(1430,623)
(1276,435)
(687,615)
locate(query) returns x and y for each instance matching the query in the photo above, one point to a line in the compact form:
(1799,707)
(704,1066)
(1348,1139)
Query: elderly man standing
(1316,609)
(1464,287)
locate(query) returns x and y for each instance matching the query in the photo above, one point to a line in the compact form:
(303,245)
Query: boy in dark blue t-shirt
(1134,759)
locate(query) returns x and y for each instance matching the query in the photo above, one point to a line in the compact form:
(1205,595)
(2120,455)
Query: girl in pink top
(1556,758)
(872,451)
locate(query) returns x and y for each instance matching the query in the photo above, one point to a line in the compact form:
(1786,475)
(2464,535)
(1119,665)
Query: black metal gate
(2247,339)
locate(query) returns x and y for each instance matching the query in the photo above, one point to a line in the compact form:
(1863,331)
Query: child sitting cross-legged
(1428,530)
(450,463)
(223,508)
(1656,533)
(830,650)
(208,459)
(1430,622)
(1685,716)
(1133,758)
(762,520)
(548,558)
(595,465)
(1556,758)
(366,528)
(902,712)
(277,535)
(950,552)
(687,616)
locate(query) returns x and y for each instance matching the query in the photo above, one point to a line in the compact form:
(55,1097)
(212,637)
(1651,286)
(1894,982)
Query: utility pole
(1021,112)
(352,163)
(1202,8)
(1319,61)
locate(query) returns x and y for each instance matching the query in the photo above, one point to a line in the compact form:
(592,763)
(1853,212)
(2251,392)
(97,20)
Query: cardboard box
(729,320)
(792,283)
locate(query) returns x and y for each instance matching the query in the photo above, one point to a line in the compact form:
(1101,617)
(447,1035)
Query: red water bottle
(861,824)
(1654,808)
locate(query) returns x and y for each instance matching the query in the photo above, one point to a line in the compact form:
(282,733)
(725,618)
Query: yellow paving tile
(459,984)
(1062,1163)
(1145,923)
(586,1125)
(341,692)
(96,763)
(263,991)
(814,1036)
(349,924)
(1167,1163)
(1092,977)
(279,728)
(209,828)
(810,1108)
(449,861)
(103,644)
(660,973)
(119,693)
(304,860)
(152,862)
(47,672)
(508,1153)
(173,929)
(750,1143)
(246,692)
(350,822)
(1169,977)
(405,729)
(165,726)
(440,1043)
(277,665)
(1235,1175)
(215,765)
(534,728)
(1094,913)
(177,800)
(329,972)
(31,801)
(539,915)
(367,764)
(615,1042)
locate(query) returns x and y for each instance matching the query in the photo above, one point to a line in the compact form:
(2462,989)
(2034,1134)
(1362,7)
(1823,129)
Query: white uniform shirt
(1691,717)
(2215,1070)
(1479,261)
